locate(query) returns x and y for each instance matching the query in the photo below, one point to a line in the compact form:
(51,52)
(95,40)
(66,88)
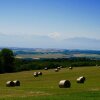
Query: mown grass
(46,87)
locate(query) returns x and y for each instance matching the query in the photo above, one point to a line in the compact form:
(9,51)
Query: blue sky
(68,24)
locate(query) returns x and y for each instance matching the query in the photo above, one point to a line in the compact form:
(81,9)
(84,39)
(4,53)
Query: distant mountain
(82,43)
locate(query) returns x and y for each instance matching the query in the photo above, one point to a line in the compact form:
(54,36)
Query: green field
(46,87)
(56,55)
(33,56)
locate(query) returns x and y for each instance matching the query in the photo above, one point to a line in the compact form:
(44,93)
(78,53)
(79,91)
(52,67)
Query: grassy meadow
(56,55)
(33,56)
(46,87)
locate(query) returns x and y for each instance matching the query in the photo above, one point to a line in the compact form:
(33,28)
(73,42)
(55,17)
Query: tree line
(8,62)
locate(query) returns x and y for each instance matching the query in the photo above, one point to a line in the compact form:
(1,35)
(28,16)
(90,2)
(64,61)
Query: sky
(64,24)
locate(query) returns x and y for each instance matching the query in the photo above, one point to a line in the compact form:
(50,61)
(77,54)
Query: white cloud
(55,35)
(2,34)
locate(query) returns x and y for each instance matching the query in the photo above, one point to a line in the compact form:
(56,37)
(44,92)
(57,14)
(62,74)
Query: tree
(7,60)
(1,67)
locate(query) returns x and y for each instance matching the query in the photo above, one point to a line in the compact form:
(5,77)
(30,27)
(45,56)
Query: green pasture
(56,55)
(46,87)
(33,56)
(87,55)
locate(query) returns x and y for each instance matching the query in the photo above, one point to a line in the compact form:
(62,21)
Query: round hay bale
(64,84)
(81,79)
(39,73)
(46,68)
(10,84)
(16,82)
(70,68)
(96,65)
(35,74)
(56,70)
(60,66)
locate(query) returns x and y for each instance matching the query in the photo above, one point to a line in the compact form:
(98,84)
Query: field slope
(46,87)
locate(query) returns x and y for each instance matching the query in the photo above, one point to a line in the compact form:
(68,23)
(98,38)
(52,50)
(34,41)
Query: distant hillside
(53,53)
